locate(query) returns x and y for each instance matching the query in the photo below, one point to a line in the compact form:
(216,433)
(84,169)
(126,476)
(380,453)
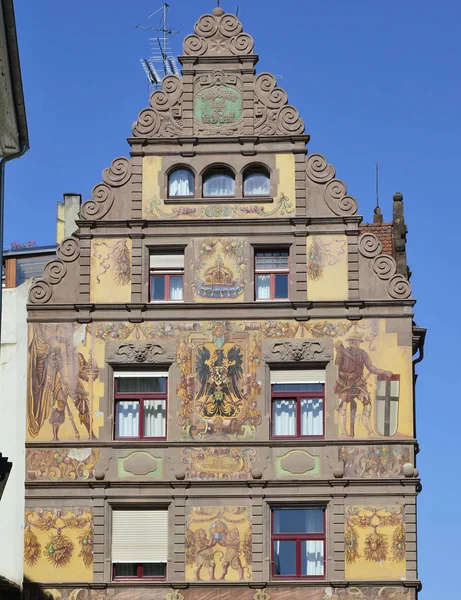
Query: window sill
(165,301)
(221,200)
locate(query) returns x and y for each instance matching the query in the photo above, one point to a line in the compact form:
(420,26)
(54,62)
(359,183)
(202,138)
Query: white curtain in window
(127,419)
(176,287)
(256,184)
(154,418)
(219,184)
(313,555)
(181,183)
(284,417)
(263,287)
(311,416)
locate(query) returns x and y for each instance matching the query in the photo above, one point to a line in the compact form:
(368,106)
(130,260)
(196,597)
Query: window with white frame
(166,276)
(141,399)
(139,543)
(298,398)
(298,542)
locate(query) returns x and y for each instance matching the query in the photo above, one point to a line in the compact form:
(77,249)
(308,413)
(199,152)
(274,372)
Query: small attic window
(181,183)
(256,182)
(218,181)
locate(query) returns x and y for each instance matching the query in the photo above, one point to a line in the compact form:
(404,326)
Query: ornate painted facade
(219,468)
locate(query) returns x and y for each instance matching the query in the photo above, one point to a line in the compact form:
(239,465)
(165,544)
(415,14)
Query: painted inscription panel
(217,463)
(218,543)
(375,542)
(218,105)
(58,544)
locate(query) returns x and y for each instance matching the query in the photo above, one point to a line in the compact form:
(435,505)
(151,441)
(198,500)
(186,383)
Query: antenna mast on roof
(162,54)
(377,184)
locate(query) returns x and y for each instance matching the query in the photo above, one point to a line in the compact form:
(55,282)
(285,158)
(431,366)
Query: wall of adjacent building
(13,377)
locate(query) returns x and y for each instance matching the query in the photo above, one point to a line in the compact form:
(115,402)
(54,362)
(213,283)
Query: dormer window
(256,182)
(181,183)
(218,181)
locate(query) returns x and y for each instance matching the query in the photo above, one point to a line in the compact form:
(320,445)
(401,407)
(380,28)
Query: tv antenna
(162,61)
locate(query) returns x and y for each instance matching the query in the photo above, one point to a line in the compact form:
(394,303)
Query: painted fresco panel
(217,463)
(110,276)
(374,542)
(64,386)
(374,462)
(154,206)
(218,543)
(61,464)
(220,267)
(228,593)
(58,544)
(327,267)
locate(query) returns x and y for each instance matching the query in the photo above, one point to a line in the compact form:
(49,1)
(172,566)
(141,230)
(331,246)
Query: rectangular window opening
(271,275)
(167,277)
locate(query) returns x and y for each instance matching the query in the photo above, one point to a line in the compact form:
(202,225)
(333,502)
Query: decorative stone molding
(142,353)
(384,267)
(164,118)
(335,193)
(295,351)
(102,195)
(41,290)
(273,114)
(218,34)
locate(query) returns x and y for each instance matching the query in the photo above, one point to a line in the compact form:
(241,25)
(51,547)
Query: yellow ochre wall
(110,275)
(327,267)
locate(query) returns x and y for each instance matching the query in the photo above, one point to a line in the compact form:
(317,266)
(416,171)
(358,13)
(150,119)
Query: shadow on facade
(31,591)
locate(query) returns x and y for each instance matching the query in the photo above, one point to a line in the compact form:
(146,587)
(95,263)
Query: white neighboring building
(13,386)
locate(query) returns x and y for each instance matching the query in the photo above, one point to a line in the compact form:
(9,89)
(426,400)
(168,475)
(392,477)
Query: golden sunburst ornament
(59,550)
(31,548)
(376,547)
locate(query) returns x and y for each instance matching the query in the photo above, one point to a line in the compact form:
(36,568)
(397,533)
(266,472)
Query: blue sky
(374,80)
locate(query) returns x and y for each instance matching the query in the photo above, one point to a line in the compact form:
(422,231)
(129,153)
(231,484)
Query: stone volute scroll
(103,194)
(334,191)
(164,116)
(273,114)
(297,351)
(384,267)
(42,289)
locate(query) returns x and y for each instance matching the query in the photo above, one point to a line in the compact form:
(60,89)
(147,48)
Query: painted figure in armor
(352,384)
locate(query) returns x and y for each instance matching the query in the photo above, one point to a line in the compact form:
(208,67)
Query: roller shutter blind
(139,536)
(167,261)
(298,376)
(153,374)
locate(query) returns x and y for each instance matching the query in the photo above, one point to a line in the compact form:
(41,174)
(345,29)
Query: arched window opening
(256,182)
(180,183)
(219,181)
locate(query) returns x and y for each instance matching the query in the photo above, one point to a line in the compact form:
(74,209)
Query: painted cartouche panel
(110,279)
(374,542)
(154,206)
(374,462)
(61,464)
(228,593)
(218,543)
(327,267)
(58,544)
(219,268)
(218,463)
(64,386)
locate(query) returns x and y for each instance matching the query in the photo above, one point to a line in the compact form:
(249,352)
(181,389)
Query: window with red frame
(166,277)
(298,542)
(139,544)
(271,275)
(298,399)
(140,405)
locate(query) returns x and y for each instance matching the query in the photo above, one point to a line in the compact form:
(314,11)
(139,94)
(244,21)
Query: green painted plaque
(218,105)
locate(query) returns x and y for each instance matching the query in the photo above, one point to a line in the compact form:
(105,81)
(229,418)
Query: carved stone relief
(273,114)
(218,34)
(384,267)
(102,196)
(335,191)
(142,353)
(296,351)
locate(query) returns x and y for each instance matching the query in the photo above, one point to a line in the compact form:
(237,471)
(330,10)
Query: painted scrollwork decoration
(273,114)
(163,118)
(218,34)
(384,267)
